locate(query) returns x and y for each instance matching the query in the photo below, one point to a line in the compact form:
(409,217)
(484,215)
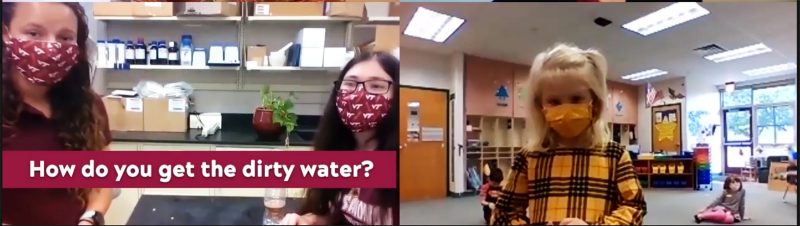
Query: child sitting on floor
(492,192)
(727,208)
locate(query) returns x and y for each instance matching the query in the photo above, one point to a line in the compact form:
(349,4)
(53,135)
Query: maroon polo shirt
(52,206)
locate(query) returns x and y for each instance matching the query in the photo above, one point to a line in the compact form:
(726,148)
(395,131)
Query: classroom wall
(425,69)
(644,126)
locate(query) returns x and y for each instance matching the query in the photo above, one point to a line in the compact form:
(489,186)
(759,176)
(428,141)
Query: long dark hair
(333,134)
(76,114)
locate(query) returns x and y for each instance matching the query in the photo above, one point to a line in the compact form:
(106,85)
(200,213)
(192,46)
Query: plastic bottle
(102,53)
(130,53)
(186,50)
(162,52)
(173,54)
(141,52)
(111,47)
(152,54)
(120,52)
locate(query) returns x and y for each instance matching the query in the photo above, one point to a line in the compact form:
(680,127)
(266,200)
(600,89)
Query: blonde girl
(570,172)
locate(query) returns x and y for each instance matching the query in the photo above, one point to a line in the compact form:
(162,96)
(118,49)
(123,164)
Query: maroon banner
(199,169)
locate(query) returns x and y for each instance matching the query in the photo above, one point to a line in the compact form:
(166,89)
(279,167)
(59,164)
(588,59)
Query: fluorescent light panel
(645,74)
(739,53)
(771,69)
(431,25)
(667,17)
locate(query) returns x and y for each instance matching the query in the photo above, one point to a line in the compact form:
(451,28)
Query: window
(739,97)
(777,94)
(775,125)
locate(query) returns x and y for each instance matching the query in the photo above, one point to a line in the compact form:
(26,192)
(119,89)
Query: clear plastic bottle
(186,50)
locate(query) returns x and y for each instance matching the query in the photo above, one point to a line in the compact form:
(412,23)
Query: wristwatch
(94,217)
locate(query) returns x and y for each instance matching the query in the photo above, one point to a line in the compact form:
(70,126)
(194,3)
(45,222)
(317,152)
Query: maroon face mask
(361,111)
(41,63)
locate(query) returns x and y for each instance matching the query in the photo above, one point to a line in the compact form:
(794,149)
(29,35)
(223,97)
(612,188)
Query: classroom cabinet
(489,87)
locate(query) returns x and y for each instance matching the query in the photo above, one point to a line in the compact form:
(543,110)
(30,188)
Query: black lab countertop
(202,210)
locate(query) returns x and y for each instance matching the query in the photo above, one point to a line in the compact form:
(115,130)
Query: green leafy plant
(282,109)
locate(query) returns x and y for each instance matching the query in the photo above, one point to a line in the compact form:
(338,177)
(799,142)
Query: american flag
(651,94)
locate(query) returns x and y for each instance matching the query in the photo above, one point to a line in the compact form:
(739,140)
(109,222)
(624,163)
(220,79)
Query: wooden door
(423,163)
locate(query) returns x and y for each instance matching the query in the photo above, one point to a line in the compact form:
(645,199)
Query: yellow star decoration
(666,130)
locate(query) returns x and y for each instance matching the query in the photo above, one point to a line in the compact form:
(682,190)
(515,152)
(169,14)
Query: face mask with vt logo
(361,111)
(41,63)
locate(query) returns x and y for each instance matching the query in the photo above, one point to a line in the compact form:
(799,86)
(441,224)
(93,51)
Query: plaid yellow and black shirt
(597,185)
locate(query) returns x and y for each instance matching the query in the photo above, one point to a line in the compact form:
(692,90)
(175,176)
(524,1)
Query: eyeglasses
(378,87)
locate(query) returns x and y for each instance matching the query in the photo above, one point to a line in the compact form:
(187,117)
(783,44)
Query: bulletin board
(666,128)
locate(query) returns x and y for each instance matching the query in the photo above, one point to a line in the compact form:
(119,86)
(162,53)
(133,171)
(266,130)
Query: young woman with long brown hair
(48,104)
(368,80)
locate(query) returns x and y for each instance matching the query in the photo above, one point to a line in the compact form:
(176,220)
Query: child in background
(492,192)
(727,208)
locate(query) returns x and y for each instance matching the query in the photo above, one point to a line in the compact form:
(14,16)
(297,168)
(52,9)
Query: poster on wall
(666,128)
(502,96)
(665,93)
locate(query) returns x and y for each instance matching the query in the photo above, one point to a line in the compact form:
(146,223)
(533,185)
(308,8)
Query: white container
(102,53)
(186,55)
(120,52)
(216,55)
(311,37)
(232,54)
(111,48)
(277,59)
(311,57)
(199,57)
(334,57)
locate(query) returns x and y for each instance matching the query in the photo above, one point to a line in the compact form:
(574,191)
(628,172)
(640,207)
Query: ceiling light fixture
(645,74)
(771,69)
(667,17)
(739,53)
(431,25)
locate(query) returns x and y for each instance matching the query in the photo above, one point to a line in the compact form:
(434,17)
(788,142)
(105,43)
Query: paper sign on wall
(432,134)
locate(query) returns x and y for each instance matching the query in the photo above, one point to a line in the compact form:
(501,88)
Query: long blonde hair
(558,62)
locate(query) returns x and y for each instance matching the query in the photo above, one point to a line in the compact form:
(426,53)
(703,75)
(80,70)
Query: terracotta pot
(262,123)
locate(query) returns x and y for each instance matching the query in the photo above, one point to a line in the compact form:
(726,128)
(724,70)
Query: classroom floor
(664,206)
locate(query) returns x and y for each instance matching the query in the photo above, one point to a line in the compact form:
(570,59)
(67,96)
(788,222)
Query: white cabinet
(122,207)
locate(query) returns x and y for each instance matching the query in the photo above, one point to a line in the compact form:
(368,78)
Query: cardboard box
(209,9)
(334,57)
(153,9)
(289,9)
(257,53)
(112,9)
(165,115)
(124,114)
(387,38)
(312,56)
(311,37)
(346,9)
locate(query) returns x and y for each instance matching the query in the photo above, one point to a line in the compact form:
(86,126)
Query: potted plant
(273,114)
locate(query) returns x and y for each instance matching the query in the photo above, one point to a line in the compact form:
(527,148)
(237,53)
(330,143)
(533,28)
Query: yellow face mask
(569,120)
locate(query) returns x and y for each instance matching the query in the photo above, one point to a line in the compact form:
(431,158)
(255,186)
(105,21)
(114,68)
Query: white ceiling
(516,32)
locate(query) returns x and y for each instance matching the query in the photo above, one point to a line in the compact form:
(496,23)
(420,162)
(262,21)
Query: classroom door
(423,144)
